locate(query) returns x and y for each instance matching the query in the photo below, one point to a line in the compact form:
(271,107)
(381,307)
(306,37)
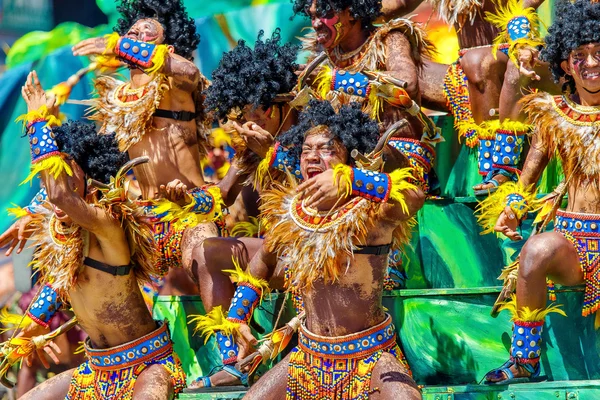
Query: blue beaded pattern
(353,83)
(518,28)
(41,141)
(348,346)
(526,341)
(203,199)
(136,52)
(372,185)
(507,149)
(242,305)
(283,161)
(45,305)
(38,200)
(147,347)
(575,225)
(486,150)
(516,203)
(227,347)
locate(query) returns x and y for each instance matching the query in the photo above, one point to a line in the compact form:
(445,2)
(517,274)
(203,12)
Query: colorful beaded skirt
(583,231)
(112,373)
(339,367)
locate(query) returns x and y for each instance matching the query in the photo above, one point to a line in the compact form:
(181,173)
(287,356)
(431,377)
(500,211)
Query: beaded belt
(577,224)
(154,345)
(356,345)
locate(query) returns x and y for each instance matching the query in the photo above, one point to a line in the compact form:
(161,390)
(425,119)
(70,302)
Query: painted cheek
(577,66)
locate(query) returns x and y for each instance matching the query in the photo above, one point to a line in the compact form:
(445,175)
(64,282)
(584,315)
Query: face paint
(334,26)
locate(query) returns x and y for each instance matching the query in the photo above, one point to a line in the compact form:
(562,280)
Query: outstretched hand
(507,225)
(319,189)
(257,139)
(92,47)
(35,97)
(528,59)
(51,349)
(16,235)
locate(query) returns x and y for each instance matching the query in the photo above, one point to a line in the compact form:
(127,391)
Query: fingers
(315,199)
(40,355)
(52,349)
(21,246)
(36,80)
(13,244)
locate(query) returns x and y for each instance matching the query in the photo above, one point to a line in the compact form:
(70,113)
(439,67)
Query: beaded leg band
(421,158)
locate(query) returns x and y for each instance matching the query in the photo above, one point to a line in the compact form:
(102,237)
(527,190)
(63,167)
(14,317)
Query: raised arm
(398,8)
(400,64)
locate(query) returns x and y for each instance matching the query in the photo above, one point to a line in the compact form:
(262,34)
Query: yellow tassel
(111,42)
(161,52)
(342,174)
(400,184)
(17,212)
(262,171)
(490,209)
(249,228)
(55,165)
(487,130)
(238,275)
(525,314)
(546,209)
(213,322)
(13,321)
(323,81)
(514,126)
(185,217)
(41,113)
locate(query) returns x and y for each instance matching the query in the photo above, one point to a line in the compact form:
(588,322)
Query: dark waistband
(356,345)
(375,250)
(120,270)
(176,115)
(154,345)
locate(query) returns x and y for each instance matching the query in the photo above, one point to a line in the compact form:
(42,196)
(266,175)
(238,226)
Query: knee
(536,256)
(480,66)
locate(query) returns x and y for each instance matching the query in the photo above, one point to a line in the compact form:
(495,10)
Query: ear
(171,49)
(565,67)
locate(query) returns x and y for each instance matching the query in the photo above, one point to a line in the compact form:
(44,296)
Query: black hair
(180,29)
(366,11)
(97,155)
(248,76)
(354,128)
(576,23)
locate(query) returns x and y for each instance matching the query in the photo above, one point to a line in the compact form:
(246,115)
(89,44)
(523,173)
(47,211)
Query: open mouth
(590,75)
(323,36)
(312,172)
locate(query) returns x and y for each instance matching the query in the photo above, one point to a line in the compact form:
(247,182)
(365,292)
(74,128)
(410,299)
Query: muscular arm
(263,263)
(533,3)
(396,214)
(398,8)
(536,161)
(184,73)
(400,64)
(231,185)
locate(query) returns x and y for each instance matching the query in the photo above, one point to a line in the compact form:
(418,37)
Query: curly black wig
(180,29)
(248,76)
(366,11)
(355,129)
(576,24)
(97,155)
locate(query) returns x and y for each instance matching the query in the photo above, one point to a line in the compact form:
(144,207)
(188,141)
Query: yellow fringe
(514,126)
(17,212)
(490,209)
(342,176)
(161,52)
(111,42)
(323,81)
(238,275)
(525,314)
(376,104)
(262,171)
(13,321)
(399,179)
(464,127)
(184,217)
(40,113)
(212,322)
(487,130)
(55,165)
(512,9)
(249,228)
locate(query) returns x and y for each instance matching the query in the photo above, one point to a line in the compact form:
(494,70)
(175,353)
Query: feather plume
(238,275)
(54,165)
(525,314)
(214,321)
(13,321)
(453,12)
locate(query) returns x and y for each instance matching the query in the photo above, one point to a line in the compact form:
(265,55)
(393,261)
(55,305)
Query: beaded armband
(44,306)
(203,201)
(372,185)
(244,302)
(41,141)
(281,160)
(518,28)
(38,200)
(526,342)
(508,149)
(352,83)
(148,56)
(518,204)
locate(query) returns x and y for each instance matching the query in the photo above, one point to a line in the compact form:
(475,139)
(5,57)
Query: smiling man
(569,126)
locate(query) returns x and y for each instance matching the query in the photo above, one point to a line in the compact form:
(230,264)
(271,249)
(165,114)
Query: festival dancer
(335,252)
(159,113)
(94,252)
(566,125)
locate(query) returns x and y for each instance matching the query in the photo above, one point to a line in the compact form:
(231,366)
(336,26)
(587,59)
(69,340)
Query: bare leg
(154,383)
(26,377)
(390,380)
(271,385)
(546,255)
(192,238)
(431,84)
(54,388)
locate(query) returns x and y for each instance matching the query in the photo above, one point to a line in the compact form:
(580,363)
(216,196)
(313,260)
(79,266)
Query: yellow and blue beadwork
(352,83)
(282,161)
(421,157)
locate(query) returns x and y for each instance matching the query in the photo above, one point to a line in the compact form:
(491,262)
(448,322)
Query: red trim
(530,361)
(507,168)
(529,324)
(274,155)
(333,75)
(37,320)
(132,59)
(35,121)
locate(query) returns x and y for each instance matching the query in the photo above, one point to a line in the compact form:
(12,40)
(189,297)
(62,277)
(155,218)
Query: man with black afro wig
(566,125)
(335,247)
(95,251)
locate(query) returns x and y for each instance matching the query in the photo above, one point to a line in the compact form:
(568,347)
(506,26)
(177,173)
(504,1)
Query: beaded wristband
(282,161)
(44,306)
(518,28)
(517,204)
(526,342)
(244,301)
(136,52)
(204,201)
(372,185)
(507,150)
(41,140)
(227,347)
(37,201)
(352,83)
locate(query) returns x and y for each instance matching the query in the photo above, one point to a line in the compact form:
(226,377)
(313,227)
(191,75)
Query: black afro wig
(576,24)
(254,77)
(180,29)
(97,155)
(364,10)
(355,129)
